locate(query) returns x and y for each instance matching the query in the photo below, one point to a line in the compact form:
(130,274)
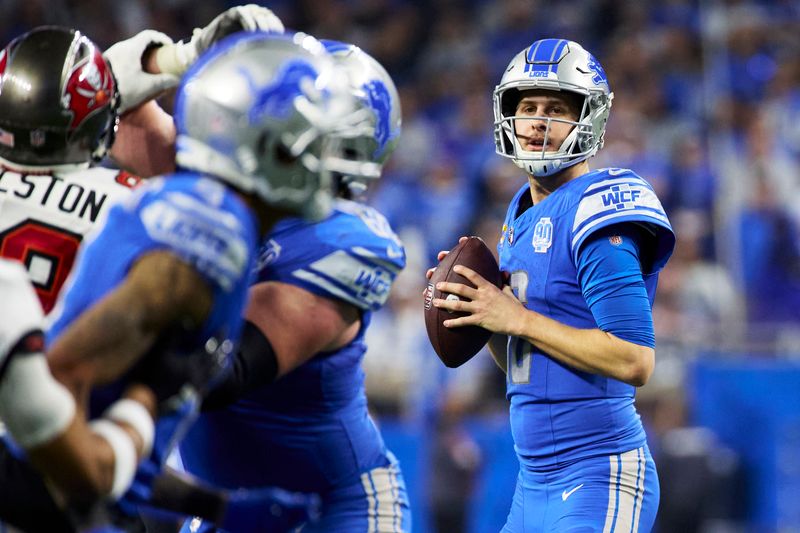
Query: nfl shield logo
(37,138)
(542,235)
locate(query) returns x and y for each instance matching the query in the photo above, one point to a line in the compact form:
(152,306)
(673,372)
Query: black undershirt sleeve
(254,366)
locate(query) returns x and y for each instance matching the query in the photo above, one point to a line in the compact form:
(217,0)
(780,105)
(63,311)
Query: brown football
(456,346)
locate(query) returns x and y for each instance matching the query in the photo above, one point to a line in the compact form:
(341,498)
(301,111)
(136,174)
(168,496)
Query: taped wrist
(134,414)
(35,407)
(124,454)
(254,365)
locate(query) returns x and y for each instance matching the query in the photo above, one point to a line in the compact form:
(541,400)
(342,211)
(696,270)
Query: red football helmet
(58,100)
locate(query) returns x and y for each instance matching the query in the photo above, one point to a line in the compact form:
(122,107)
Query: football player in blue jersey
(169,270)
(574,327)
(316,287)
(63,119)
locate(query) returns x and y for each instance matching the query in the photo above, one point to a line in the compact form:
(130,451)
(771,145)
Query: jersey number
(47,251)
(519,351)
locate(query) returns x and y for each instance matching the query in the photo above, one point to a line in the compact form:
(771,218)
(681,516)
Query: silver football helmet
(557,65)
(262,113)
(368,145)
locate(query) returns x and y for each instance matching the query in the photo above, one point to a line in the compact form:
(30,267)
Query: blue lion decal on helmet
(275,99)
(599,74)
(381,103)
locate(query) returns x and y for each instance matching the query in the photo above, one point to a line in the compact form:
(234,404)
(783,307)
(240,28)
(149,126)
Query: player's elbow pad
(34,406)
(254,366)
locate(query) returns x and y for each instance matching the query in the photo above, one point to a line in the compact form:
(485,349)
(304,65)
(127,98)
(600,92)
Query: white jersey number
(519,351)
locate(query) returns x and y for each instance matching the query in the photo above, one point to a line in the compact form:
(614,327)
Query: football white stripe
(630,178)
(625,492)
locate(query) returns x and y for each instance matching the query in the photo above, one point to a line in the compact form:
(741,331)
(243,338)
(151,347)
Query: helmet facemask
(577,146)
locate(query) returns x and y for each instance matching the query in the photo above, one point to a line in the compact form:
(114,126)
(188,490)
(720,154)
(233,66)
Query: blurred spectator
(455,460)
(697,296)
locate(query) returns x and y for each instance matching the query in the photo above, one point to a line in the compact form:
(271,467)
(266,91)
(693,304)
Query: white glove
(177,59)
(136,86)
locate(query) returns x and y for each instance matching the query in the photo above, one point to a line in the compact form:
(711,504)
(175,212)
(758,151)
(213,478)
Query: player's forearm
(84,465)
(101,345)
(145,141)
(161,292)
(589,350)
(79,464)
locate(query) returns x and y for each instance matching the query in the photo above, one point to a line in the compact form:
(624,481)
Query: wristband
(134,414)
(124,454)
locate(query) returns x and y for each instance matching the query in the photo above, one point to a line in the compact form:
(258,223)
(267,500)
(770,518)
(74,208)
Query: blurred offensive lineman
(42,239)
(316,288)
(574,331)
(256,121)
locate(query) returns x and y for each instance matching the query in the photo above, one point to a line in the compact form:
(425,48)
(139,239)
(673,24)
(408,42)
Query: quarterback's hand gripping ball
(456,346)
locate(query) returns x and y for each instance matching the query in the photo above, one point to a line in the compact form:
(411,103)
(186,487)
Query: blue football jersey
(558,413)
(198,219)
(310,430)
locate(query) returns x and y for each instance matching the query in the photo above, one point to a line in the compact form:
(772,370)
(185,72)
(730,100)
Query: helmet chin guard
(555,65)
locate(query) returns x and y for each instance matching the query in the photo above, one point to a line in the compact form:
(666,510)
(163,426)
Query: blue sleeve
(610,277)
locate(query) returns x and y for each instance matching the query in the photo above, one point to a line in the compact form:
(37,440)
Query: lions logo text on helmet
(557,65)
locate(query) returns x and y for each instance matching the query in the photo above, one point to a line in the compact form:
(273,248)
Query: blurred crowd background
(707,108)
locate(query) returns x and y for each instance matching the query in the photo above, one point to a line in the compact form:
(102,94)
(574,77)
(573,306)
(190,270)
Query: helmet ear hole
(584,141)
(597,101)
